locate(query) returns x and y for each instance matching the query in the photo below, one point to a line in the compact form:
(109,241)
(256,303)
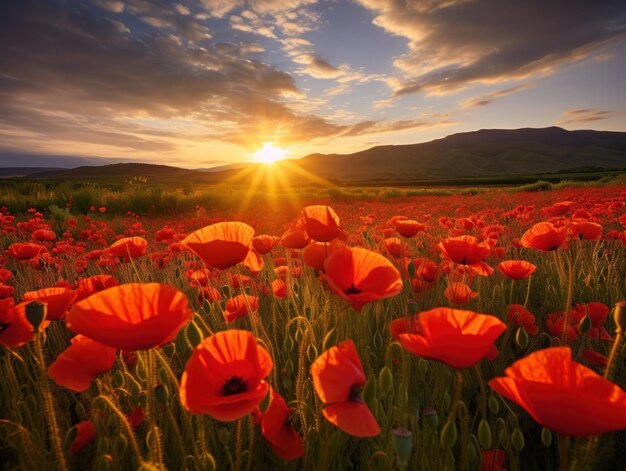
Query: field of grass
(136,392)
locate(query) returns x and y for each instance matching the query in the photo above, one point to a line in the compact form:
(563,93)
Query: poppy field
(431,332)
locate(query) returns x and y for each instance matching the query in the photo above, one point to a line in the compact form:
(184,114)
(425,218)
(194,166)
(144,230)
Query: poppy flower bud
(119,445)
(70,436)
(385,379)
(432,418)
(162,394)
(619,316)
(422,366)
(546,437)
(504,439)
(288,344)
(403,444)
(411,306)
(369,391)
(521,338)
(102,446)
(484,434)
(448,435)
(584,325)
(80,411)
(223,435)
(105,463)
(494,405)
(517,439)
(411,269)
(36,313)
(471,452)
(193,335)
(118,379)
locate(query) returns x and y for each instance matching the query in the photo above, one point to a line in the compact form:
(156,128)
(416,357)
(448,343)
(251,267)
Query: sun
(269,153)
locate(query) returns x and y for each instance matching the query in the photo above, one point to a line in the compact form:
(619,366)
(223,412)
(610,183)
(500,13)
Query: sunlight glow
(269,154)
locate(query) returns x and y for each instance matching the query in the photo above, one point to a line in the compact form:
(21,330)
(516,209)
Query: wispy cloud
(583,115)
(489,98)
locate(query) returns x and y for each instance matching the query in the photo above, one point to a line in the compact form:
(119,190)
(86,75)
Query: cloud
(489,98)
(583,115)
(317,67)
(219,8)
(456,43)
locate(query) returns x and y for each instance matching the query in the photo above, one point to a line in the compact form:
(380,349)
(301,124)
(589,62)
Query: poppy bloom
(44,235)
(25,250)
(563,395)
(361,276)
(455,337)
(395,247)
(464,250)
(321,223)
(295,237)
(209,293)
(516,269)
(277,430)
(264,243)
(93,284)
(279,288)
(459,293)
(585,230)
(221,245)
(15,330)
(6,291)
(597,313)
(314,255)
(493,460)
(58,300)
(520,317)
(558,327)
(544,237)
(409,228)
(128,248)
(594,357)
(86,430)
(133,316)
(338,377)
(238,307)
(81,362)
(166,234)
(225,376)
(404,325)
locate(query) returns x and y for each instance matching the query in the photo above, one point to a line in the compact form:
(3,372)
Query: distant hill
(10,172)
(484,153)
(488,152)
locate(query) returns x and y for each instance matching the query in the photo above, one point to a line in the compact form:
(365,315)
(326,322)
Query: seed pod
(411,305)
(484,434)
(517,439)
(546,437)
(432,418)
(403,444)
(494,405)
(385,380)
(36,313)
(448,436)
(521,338)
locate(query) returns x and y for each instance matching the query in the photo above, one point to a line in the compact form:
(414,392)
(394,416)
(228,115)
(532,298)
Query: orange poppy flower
(558,327)
(459,293)
(133,316)
(81,362)
(516,269)
(520,317)
(93,284)
(321,223)
(585,230)
(409,228)
(314,255)
(128,248)
(58,300)
(15,330)
(225,376)
(264,243)
(277,430)
(544,237)
(338,377)
(25,250)
(209,293)
(238,307)
(464,250)
(279,288)
(6,291)
(563,395)
(404,325)
(455,337)
(395,247)
(361,276)
(295,237)
(221,245)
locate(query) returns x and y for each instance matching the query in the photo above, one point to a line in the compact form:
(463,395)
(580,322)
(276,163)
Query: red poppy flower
(81,362)
(315,254)
(44,235)
(279,288)
(93,284)
(425,268)
(321,223)
(459,293)
(5,275)
(544,237)
(594,357)
(221,245)
(457,338)
(209,293)
(85,435)
(585,230)
(404,325)
(464,250)
(516,269)
(557,326)
(133,316)
(128,248)
(264,243)
(15,330)
(6,291)
(338,377)
(225,376)
(520,317)
(295,237)
(361,276)
(597,313)
(493,460)
(165,235)
(58,300)
(238,307)
(563,395)
(277,430)
(409,228)
(395,247)
(25,250)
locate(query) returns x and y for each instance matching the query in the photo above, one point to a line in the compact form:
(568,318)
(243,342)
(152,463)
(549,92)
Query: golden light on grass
(269,154)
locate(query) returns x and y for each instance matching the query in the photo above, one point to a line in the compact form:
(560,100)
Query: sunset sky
(201,83)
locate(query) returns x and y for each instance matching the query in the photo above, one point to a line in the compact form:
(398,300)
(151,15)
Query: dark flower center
(4,326)
(355,395)
(352,290)
(234,385)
